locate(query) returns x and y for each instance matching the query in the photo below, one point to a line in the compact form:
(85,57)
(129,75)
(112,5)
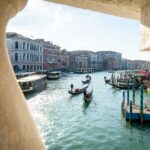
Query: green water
(67,123)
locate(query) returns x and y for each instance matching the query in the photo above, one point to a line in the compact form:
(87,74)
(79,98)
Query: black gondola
(106,80)
(123,86)
(88,80)
(88,96)
(77,91)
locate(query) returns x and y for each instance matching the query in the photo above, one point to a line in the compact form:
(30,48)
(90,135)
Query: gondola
(106,80)
(86,81)
(77,91)
(122,86)
(88,96)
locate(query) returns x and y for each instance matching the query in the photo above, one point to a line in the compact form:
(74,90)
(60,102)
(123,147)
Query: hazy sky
(79,29)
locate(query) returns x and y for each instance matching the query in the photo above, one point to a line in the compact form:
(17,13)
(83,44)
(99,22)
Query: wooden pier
(131,111)
(135,115)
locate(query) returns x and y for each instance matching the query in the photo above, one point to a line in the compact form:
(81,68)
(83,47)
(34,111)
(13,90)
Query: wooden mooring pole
(123,103)
(128,93)
(141,104)
(123,97)
(130,118)
(134,92)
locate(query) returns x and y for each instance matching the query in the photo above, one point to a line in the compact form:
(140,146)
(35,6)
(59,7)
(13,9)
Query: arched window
(27,67)
(27,57)
(24,55)
(31,67)
(24,44)
(16,56)
(16,45)
(24,67)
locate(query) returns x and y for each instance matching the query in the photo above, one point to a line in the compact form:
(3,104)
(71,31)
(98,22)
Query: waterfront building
(141,64)
(97,61)
(127,64)
(93,61)
(25,53)
(64,60)
(135,64)
(79,61)
(52,56)
(100,63)
(109,60)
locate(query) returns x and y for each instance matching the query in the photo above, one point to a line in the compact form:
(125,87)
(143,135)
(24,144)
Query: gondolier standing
(71,87)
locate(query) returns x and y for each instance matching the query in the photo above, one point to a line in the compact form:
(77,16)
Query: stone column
(145,24)
(17,128)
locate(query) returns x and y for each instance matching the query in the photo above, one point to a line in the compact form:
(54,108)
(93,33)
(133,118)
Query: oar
(94,102)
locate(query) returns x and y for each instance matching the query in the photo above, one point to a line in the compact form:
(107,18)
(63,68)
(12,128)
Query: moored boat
(54,75)
(106,80)
(33,83)
(24,74)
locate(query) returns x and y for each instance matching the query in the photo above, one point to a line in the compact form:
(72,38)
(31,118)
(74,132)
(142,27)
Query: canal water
(67,123)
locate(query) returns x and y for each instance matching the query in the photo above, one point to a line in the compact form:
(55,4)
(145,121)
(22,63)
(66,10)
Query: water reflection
(85,106)
(62,121)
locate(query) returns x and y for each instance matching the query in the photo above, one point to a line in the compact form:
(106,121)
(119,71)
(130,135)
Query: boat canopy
(145,73)
(31,78)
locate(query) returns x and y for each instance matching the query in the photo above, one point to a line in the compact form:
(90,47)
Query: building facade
(28,54)
(93,61)
(135,64)
(25,54)
(65,66)
(52,56)
(109,60)
(97,61)
(78,60)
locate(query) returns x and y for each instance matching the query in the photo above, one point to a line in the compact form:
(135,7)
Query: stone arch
(19,131)
(20,120)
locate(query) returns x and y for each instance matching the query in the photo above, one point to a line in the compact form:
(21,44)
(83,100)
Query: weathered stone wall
(122,8)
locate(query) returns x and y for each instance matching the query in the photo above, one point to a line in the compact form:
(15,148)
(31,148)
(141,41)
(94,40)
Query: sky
(79,29)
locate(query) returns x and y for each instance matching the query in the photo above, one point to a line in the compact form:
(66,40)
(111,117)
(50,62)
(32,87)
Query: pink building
(51,57)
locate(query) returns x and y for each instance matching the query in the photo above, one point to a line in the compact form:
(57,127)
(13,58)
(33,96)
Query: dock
(131,111)
(135,115)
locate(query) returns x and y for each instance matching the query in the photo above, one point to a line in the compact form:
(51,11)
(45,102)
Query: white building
(109,59)
(93,60)
(81,61)
(25,54)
